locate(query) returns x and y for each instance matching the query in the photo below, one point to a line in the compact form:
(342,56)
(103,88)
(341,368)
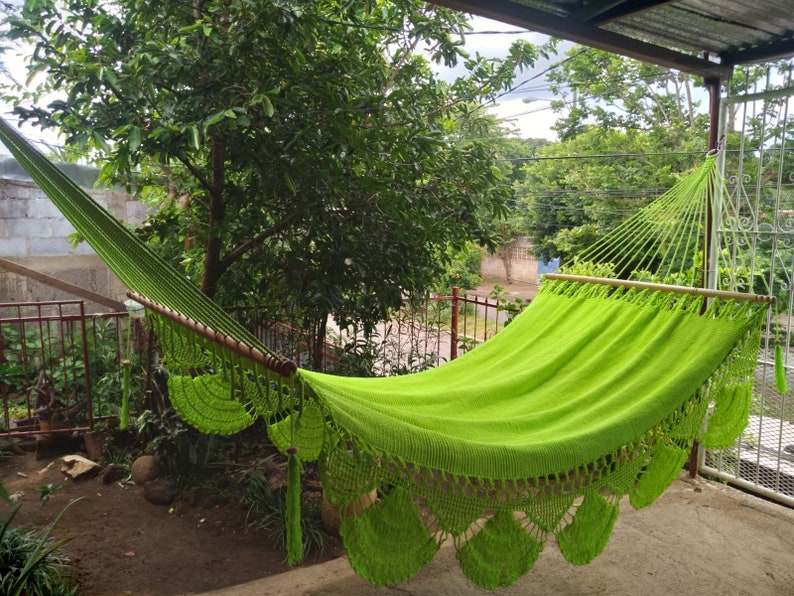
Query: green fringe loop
(500,553)
(780,371)
(730,417)
(585,537)
(294,538)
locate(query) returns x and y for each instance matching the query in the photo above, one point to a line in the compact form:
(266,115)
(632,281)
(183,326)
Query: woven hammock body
(591,394)
(571,379)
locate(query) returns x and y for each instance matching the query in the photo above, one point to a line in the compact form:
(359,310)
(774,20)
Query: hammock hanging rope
(598,390)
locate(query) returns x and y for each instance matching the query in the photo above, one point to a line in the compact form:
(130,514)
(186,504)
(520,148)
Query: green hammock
(598,390)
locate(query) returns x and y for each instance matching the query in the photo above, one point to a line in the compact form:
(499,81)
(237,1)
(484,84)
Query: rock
(161,491)
(145,469)
(77,466)
(115,473)
(332,515)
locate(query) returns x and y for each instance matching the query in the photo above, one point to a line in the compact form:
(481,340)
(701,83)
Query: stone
(77,466)
(162,491)
(145,469)
(115,473)
(332,515)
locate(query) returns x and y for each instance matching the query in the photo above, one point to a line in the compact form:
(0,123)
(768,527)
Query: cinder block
(49,247)
(43,208)
(60,228)
(30,228)
(13,247)
(13,208)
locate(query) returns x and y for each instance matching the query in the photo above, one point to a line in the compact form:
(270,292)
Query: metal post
(709,254)
(453,347)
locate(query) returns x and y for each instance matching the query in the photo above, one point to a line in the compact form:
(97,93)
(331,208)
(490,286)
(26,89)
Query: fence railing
(61,369)
(422,334)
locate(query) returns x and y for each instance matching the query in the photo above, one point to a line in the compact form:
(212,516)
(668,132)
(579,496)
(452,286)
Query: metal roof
(702,37)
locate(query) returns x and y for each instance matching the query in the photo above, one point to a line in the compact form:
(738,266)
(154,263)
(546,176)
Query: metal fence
(422,334)
(756,233)
(60,369)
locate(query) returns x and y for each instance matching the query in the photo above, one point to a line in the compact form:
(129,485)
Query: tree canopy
(299,151)
(625,127)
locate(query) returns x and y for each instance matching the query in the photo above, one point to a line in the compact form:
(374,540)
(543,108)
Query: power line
(606,155)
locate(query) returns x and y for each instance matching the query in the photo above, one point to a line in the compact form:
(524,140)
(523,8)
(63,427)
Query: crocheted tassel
(294,538)
(500,553)
(304,430)
(388,543)
(780,370)
(658,475)
(585,537)
(730,417)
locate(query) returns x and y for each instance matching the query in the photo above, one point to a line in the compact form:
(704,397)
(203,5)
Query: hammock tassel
(780,370)
(293,513)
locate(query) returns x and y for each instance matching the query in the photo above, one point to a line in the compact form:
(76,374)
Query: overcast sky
(527,108)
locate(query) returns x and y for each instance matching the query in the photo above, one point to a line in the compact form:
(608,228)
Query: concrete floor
(700,538)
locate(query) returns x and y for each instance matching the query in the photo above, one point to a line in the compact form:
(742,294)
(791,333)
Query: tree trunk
(318,342)
(213,265)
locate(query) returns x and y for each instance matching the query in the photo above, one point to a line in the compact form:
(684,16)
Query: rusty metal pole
(453,347)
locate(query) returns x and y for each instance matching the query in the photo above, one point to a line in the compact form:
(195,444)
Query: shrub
(30,562)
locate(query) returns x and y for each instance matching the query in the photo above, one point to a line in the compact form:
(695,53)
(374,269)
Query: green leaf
(267,106)
(214,119)
(195,136)
(134,138)
(100,143)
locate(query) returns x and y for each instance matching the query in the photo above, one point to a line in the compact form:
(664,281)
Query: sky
(526,110)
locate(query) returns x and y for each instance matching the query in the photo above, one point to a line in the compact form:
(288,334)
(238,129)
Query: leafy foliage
(266,513)
(30,560)
(299,151)
(614,92)
(567,208)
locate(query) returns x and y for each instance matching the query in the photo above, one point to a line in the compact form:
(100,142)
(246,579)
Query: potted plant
(52,414)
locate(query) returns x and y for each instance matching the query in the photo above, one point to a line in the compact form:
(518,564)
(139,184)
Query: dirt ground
(122,544)
(700,538)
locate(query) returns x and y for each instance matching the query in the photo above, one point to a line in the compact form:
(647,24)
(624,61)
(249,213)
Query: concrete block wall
(33,233)
(524,264)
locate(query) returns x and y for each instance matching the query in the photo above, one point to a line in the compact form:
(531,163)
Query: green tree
(576,191)
(611,91)
(650,118)
(302,152)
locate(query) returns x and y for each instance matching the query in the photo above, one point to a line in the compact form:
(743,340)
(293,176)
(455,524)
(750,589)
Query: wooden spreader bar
(644,285)
(281,366)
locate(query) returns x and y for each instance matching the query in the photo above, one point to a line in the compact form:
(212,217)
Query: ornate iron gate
(756,253)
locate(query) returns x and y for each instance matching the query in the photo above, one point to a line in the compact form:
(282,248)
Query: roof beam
(765,53)
(566,28)
(599,13)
